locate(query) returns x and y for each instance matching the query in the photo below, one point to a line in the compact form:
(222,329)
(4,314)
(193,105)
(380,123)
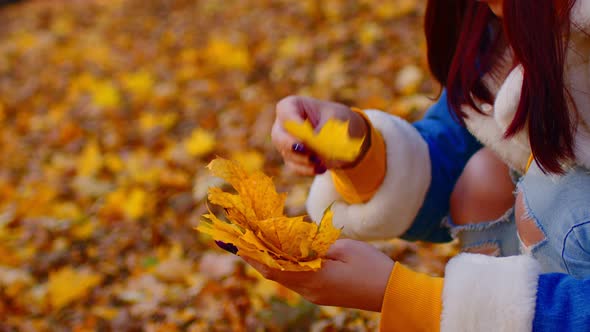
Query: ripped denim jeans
(553,210)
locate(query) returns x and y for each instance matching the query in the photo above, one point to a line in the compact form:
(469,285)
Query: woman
(516,73)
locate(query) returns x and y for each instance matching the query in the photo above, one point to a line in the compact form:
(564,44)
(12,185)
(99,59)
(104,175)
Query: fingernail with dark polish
(314,159)
(299,148)
(320,169)
(227,247)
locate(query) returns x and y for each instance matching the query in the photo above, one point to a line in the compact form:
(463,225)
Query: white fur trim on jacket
(483,293)
(392,209)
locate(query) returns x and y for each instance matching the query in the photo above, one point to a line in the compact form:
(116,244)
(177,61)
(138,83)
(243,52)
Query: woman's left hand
(355,275)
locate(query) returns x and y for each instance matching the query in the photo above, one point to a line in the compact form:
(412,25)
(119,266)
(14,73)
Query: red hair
(462,48)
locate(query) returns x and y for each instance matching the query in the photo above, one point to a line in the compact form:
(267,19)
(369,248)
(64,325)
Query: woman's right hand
(297,157)
(343,280)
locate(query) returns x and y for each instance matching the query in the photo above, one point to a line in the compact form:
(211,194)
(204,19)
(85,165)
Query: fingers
(337,250)
(305,164)
(295,108)
(299,169)
(342,249)
(299,108)
(297,153)
(286,144)
(283,277)
(297,158)
(289,108)
(264,270)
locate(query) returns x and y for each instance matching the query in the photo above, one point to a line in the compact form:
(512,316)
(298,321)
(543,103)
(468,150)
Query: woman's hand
(354,276)
(295,154)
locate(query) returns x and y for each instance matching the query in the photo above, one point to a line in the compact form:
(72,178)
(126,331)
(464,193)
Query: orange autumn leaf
(331,142)
(256,224)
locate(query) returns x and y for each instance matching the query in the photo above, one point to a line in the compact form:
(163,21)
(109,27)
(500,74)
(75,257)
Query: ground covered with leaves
(109,112)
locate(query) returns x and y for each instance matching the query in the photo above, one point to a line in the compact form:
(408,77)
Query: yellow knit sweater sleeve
(412,302)
(359,183)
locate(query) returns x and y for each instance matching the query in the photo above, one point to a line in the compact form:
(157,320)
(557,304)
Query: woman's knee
(483,192)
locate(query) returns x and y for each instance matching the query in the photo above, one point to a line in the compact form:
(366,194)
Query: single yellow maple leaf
(251,160)
(113,162)
(104,312)
(331,142)
(25,40)
(139,83)
(149,121)
(132,203)
(394,9)
(67,211)
(82,82)
(68,285)
(200,143)
(135,205)
(105,94)
(96,50)
(90,161)
(256,225)
(62,25)
(84,230)
(140,167)
(226,54)
(369,33)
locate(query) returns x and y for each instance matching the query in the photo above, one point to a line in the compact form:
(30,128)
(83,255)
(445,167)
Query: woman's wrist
(359,181)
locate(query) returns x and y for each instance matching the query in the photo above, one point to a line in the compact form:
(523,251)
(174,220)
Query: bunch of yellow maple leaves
(110,111)
(257,227)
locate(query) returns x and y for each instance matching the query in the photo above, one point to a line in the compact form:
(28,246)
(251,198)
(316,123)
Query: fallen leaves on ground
(111,109)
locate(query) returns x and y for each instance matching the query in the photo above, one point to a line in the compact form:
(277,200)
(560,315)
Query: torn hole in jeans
(486,248)
(529,232)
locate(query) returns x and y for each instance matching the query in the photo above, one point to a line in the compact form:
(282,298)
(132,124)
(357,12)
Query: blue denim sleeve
(563,303)
(450,145)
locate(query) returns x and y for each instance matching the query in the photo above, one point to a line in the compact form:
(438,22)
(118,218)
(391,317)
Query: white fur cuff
(393,208)
(483,293)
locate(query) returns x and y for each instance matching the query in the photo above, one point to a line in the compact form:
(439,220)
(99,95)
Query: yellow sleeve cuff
(412,301)
(359,183)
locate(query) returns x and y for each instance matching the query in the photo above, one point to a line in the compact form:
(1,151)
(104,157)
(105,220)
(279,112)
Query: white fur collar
(577,78)
(581,14)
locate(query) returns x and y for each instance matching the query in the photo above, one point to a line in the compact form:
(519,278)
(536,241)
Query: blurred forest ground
(109,111)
